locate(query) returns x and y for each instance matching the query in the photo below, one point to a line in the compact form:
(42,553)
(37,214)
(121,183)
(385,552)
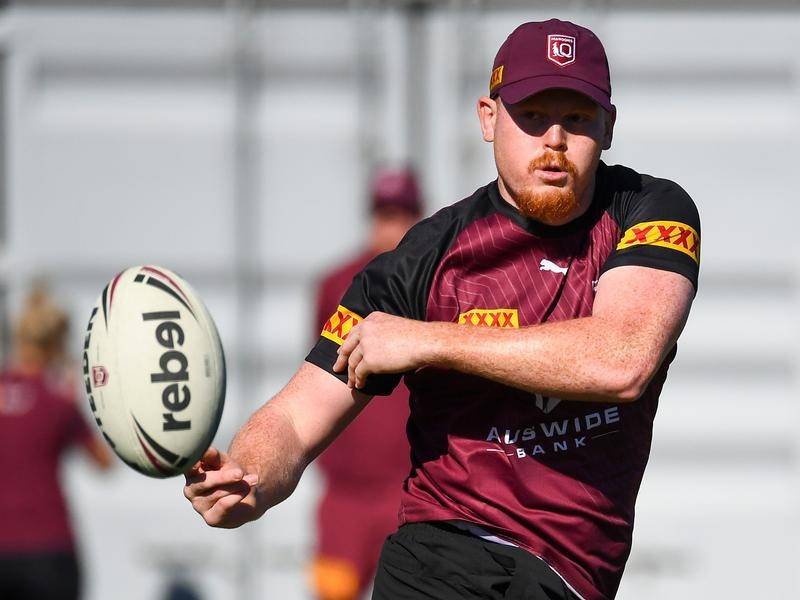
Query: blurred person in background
(39,421)
(358,507)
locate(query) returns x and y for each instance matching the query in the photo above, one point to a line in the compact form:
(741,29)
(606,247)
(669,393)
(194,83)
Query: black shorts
(46,576)
(440,562)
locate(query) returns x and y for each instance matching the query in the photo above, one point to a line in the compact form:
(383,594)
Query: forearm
(580,359)
(282,437)
(268,445)
(269,453)
(610,356)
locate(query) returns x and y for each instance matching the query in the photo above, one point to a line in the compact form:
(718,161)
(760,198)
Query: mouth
(554,168)
(552,173)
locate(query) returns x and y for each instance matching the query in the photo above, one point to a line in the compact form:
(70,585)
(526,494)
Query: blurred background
(233,142)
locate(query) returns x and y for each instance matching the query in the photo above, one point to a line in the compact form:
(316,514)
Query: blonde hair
(41,322)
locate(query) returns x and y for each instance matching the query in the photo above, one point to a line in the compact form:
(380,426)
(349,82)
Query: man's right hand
(275,445)
(220,490)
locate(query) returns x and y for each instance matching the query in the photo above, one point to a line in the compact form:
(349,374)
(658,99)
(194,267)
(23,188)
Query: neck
(30,360)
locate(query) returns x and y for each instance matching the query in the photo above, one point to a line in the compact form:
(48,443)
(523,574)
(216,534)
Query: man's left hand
(384,343)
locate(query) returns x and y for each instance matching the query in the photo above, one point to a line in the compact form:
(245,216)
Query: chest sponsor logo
(666,234)
(339,325)
(561,49)
(493,317)
(548,265)
(554,437)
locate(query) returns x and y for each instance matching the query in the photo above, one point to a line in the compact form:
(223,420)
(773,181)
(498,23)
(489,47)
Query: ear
(487,117)
(610,118)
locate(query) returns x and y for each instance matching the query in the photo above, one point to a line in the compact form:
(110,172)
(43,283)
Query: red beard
(552,204)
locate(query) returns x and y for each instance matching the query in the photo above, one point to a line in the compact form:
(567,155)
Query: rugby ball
(154,371)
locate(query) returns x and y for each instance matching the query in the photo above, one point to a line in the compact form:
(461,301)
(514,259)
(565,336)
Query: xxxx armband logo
(667,234)
(495,317)
(338,327)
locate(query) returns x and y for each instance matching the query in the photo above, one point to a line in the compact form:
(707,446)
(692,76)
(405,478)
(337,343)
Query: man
(534,323)
(370,458)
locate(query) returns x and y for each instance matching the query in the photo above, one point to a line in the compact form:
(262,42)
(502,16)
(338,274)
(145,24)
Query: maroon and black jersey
(38,423)
(558,478)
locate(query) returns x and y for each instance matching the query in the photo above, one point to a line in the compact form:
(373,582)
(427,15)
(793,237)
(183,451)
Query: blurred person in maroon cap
(533,323)
(39,422)
(371,456)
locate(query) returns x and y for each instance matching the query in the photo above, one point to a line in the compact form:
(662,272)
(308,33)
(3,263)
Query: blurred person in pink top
(39,421)
(362,468)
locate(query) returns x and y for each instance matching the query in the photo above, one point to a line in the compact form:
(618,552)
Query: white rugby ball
(154,371)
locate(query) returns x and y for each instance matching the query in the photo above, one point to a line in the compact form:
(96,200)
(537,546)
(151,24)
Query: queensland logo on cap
(561,49)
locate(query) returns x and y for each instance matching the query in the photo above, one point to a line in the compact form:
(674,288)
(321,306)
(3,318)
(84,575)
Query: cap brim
(519,90)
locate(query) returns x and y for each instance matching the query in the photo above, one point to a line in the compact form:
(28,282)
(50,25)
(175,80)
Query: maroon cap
(396,189)
(551,54)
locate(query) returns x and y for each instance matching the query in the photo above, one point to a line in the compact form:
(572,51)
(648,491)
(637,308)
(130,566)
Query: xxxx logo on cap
(497,78)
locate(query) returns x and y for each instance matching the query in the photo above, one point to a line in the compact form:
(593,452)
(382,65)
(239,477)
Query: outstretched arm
(270,452)
(612,355)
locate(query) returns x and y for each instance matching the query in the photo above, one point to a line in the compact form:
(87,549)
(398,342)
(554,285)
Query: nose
(555,138)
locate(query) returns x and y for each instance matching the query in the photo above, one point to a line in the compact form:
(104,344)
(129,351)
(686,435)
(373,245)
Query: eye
(578,118)
(533,115)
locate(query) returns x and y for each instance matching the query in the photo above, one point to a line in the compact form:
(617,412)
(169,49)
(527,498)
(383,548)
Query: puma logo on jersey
(547,265)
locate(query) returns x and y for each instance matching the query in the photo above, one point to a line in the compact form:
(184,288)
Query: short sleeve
(660,229)
(395,283)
